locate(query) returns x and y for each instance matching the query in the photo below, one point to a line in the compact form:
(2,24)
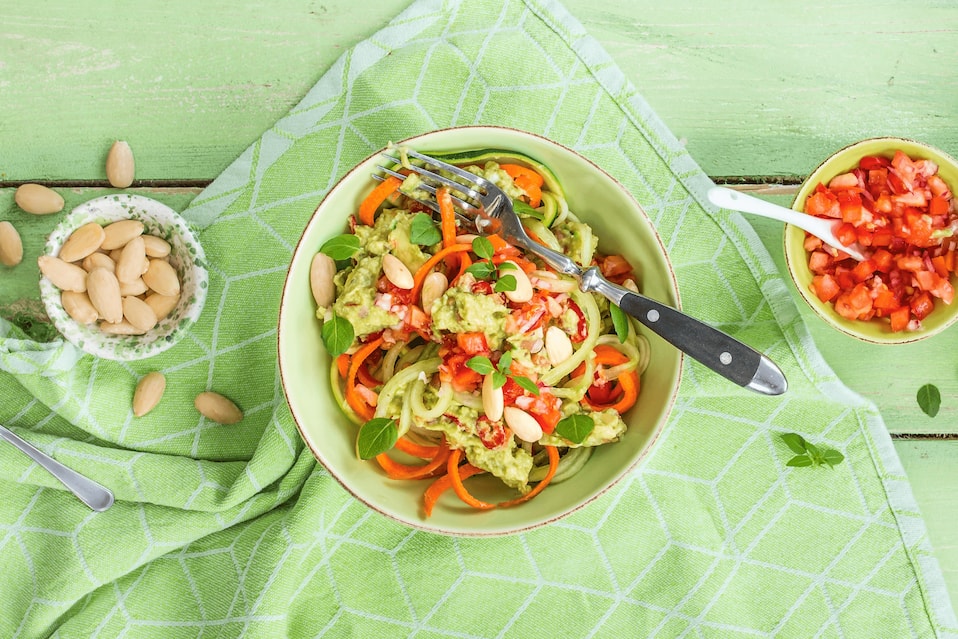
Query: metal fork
(484,207)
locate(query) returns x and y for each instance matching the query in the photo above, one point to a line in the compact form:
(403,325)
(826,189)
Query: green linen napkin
(227,531)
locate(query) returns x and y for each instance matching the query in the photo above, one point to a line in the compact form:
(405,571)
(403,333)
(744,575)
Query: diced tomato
(528,316)
(491,434)
(843,181)
(615,268)
(864,270)
(846,233)
(872,162)
(922,305)
(819,262)
(823,204)
(886,301)
(939,205)
(900,318)
(825,287)
(453,370)
(473,343)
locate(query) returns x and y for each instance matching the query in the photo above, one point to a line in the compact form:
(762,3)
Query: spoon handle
(88,491)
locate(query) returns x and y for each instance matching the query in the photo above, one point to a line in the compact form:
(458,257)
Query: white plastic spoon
(88,491)
(819,227)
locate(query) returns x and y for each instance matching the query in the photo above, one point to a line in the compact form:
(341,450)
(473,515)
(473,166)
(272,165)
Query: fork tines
(432,180)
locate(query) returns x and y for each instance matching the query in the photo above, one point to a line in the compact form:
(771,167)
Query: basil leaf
(505,361)
(929,399)
(832,457)
(575,428)
(507,266)
(480,364)
(341,247)
(526,210)
(620,322)
(423,230)
(526,383)
(337,334)
(376,436)
(794,441)
(482,247)
(799,461)
(481,270)
(498,379)
(505,283)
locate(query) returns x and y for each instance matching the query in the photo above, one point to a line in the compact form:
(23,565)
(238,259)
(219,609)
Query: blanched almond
(523,291)
(65,276)
(522,424)
(492,398)
(130,265)
(120,232)
(156,246)
(104,291)
(433,286)
(397,272)
(38,199)
(321,272)
(120,167)
(558,345)
(136,287)
(79,307)
(138,313)
(162,278)
(149,391)
(217,408)
(11,246)
(98,260)
(82,242)
(162,305)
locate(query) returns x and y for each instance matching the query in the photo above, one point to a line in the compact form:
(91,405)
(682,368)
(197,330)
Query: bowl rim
(423,524)
(796,261)
(115,207)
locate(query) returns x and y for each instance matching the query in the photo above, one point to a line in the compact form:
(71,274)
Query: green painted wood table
(759,93)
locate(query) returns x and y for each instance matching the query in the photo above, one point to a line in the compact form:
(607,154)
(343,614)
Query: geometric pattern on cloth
(228,531)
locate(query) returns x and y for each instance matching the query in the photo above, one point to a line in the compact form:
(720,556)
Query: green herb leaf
(480,364)
(507,266)
(832,457)
(620,322)
(575,428)
(794,441)
(341,247)
(481,270)
(505,361)
(376,436)
(482,247)
(799,461)
(423,230)
(526,383)
(337,334)
(498,379)
(505,283)
(929,399)
(525,210)
(813,452)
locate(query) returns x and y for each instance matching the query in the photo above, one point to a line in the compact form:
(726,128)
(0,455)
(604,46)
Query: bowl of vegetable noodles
(453,382)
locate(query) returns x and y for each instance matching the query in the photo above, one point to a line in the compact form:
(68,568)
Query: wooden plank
(756,89)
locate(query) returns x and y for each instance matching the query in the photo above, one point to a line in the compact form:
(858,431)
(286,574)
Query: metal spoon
(819,227)
(88,491)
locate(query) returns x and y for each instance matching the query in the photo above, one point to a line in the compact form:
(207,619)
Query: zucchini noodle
(523,383)
(594,323)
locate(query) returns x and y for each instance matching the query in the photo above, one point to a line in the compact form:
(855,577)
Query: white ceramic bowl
(186,257)
(622,227)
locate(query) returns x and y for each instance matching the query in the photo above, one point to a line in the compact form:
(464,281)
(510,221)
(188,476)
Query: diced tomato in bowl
(896,198)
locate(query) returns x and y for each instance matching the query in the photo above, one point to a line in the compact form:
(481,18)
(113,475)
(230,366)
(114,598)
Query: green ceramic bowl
(876,330)
(620,224)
